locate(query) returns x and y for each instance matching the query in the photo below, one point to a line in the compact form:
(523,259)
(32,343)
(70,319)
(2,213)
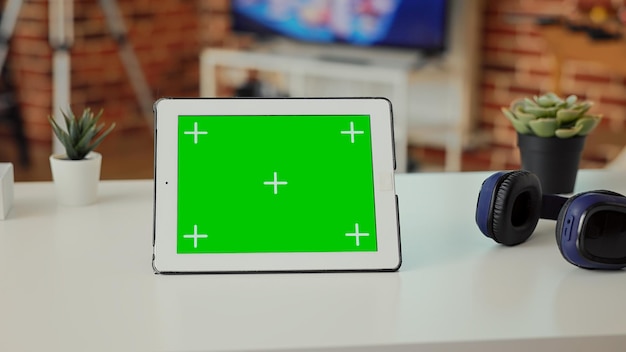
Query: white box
(6,189)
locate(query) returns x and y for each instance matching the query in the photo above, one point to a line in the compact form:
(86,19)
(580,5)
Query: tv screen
(414,24)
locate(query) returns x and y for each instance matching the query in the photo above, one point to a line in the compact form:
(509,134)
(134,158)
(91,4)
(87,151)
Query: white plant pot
(76,181)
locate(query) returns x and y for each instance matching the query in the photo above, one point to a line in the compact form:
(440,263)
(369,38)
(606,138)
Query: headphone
(590,226)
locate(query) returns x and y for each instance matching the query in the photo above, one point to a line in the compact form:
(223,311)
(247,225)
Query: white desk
(80,279)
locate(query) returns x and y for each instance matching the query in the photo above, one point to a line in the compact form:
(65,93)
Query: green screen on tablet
(275,183)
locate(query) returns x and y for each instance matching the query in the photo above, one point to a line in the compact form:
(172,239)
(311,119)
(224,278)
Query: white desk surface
(80,279)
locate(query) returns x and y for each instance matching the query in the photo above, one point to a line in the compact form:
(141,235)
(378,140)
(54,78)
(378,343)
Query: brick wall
(166,37)
(517,63)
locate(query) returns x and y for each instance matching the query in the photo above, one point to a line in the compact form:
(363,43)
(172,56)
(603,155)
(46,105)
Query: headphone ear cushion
(516,208)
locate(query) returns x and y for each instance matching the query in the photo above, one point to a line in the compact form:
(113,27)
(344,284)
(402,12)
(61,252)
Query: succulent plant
(82,134)
(549,116)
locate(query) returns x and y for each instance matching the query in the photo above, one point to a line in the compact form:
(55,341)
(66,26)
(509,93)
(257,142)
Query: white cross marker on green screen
(195,132)
(195,236)
(357,234)
(275,183)
(352,132)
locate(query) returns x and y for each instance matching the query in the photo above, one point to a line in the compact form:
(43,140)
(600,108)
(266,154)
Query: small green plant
(82,134)
(549,116)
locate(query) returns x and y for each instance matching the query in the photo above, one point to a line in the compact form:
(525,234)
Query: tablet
(274,185)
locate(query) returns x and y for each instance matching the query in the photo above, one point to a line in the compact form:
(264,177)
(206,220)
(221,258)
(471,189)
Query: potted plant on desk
(551,135)
(77,172)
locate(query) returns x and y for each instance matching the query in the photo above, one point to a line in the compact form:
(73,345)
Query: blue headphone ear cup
(562,218)
(484,204)
(516,208)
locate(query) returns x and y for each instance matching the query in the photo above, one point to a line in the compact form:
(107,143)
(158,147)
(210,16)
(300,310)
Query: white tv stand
(300,71)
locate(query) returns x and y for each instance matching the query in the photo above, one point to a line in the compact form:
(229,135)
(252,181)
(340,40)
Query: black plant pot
(554,160)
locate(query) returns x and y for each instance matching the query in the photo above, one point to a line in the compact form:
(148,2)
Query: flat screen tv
(412,24)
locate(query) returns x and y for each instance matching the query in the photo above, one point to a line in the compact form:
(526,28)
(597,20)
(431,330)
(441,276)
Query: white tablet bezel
(166,260)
